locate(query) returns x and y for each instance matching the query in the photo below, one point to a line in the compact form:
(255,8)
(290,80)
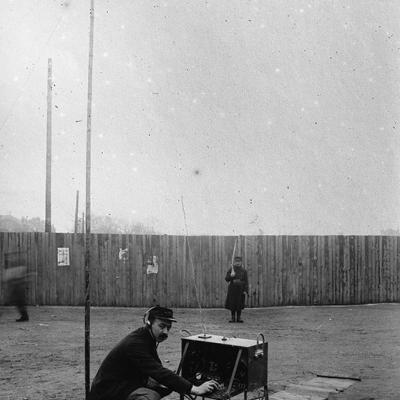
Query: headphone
(147,315)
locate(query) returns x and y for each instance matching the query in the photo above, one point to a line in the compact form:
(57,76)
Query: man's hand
(204,388)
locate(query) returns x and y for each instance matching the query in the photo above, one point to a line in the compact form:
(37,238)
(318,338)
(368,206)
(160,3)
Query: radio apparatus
(238,365)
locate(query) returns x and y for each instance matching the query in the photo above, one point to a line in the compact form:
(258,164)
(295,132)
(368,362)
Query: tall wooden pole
(47,220)
(87,233)
(76,212)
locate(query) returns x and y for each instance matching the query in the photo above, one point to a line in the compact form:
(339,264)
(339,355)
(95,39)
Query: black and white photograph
(200,199)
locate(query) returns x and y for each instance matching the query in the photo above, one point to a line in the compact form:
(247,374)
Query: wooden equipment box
(238,365)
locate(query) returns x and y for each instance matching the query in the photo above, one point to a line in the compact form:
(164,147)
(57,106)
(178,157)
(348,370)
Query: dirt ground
(44,358)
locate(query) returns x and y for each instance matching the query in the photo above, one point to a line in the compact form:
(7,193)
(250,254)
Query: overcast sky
(274,117)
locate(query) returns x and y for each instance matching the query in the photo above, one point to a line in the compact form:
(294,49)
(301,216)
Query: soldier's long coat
(238,285)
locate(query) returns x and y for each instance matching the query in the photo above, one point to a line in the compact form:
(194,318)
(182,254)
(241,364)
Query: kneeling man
(133,370)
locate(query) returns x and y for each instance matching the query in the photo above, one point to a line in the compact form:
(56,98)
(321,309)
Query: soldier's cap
(162,313)
(237,258)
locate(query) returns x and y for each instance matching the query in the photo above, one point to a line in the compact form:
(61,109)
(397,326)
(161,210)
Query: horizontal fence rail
(143,270)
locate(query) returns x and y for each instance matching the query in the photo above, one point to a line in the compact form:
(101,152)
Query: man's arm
(228,276)
(153,368)
(141,356)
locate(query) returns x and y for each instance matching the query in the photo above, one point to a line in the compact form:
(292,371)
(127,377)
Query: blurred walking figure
(238,286)
(15,278)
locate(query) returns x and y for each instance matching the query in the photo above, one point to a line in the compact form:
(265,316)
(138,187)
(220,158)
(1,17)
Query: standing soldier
(238,286)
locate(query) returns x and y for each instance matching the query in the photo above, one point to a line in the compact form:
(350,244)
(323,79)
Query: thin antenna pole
(87,235)
(47,224)
(196,290)
(76,212)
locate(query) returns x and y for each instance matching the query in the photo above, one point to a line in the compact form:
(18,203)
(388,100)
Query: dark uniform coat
(17,282)
(238,284)
(129,365)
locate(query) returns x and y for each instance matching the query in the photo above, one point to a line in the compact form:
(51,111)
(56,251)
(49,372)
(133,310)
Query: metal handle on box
(259,353)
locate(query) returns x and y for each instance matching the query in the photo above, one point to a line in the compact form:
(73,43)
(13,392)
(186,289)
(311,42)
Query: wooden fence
(282,270)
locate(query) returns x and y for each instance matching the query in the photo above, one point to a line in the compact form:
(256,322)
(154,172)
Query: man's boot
(232,317)
(238,317)
(24,317)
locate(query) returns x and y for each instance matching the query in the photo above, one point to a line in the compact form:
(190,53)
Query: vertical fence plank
(104,270)
(53,268)
(372,263)
(215,293)
(205,270)
(269,271)
(393,271)
(190,291)
(119,270)
(138,269)
(102,243)
(378,268)
(114,268)
(278,268)
(371,269)
(79,263)
(385,267)
(189,277)
(220,271)
(222,243)
(130,273)
(47,268)
(163,268)
(209,283)
(341,266)
(198,246)
(295,269)
(366,270)
(397,275)
(248,262)
(346,270)
(261,257)
(352,269)
(359,274)
(264,272)
(96,266)
(142,271)
(304,265)
(108,272)
(44,269)
(291,270)
(327,296)
(386,262)
(31,268)
(289,273)
(182,271)
(321,271)
(311,276)
(284,266)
